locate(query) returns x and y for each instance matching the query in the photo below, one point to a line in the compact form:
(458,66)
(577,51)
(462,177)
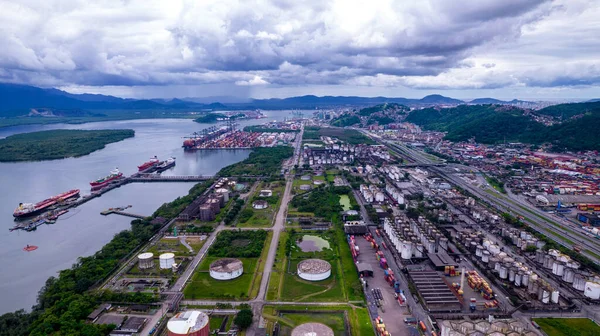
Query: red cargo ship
(30,209)
(101,182)
(149,164)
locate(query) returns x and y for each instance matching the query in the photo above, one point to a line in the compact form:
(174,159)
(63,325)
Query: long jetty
(143,176)
(122,213)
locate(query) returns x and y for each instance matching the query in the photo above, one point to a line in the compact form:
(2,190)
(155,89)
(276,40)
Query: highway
(562,234)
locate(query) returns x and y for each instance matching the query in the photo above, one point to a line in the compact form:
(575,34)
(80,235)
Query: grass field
(297,289)
(264,217)
(175,246)
(332,316)
(568,326)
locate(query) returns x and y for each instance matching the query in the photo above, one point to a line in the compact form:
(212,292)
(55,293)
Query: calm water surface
(83,231)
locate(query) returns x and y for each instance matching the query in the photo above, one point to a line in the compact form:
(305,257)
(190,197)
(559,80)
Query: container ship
(149,164)
(115,174)
(168,163)
(30,209)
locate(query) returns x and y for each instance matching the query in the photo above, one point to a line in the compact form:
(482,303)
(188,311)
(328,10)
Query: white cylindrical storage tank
(189,323)
(568,275)
(545,296)
(494,249)
(314,269)
(166,260)
(419,250)
(592,290)
(485,256)
(224,192)
(503,272)
(406,249)
(312,329)
(497,267)
(431,246)
(444,243)
(478,250)
(492,262)
(533,277)
(518,279)
(525,279)
(511,274)
(226,269)
(558,268)
(146,260)
(579,282)
(554,296)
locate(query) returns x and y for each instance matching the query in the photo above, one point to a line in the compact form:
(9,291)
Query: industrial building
(133,324)
(355,227)
(167,260)
(592,219)
(188,323)
(206,213)
(146,260)
(312,329)
(436,293)
(226,269)
(314,269)
(507,327)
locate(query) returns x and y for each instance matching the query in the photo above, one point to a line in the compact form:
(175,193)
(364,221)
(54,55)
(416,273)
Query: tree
(243,319)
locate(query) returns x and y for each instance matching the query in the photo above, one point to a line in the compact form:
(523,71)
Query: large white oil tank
(592,290)
(146,260)
(166,260)
(554,296)
(545,296)
(511,274)
(226,269)
(406,249)
(497,267)
(485,256)
(568,275)
(503,272)
(579,282)
(479,250)
(419,250)
(224,192)
(518,279)
(525,279)
(558,268)
(444,243)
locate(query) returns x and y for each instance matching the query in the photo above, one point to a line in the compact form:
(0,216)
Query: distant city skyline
(524,49)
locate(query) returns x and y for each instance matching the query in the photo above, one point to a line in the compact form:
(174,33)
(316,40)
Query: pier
(122,213)
(172,178)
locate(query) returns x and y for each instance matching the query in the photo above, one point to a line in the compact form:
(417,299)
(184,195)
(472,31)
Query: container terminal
(226,137)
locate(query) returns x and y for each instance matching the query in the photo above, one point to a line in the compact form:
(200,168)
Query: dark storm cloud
(421,44)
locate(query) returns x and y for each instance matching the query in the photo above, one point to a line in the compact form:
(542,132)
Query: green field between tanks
(568,326)
(248,246)
(262,218)
(345,202)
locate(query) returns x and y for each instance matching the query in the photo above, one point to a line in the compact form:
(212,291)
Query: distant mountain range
(18,100)
(496,101)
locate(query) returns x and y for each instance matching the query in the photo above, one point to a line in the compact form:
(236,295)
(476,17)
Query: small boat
(30,248)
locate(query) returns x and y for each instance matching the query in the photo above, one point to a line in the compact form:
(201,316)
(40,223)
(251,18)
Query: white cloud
(428,44)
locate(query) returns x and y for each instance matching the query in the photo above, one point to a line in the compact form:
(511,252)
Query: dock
(122,213)
(144,176)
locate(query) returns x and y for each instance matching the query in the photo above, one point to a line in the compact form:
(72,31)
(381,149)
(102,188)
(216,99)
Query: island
(57,144)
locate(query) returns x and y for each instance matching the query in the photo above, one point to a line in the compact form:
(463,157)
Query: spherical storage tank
(146,260)
(166,260)
(189,323)
(226,269)
(314,269)
(312,329)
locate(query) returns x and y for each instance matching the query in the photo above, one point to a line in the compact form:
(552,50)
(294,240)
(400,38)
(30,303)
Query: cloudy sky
(279,48)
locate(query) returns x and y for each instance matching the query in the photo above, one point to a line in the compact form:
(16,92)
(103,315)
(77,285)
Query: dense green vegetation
(387,107)
(350,136)
(496,184)
(173,208)
(380,120)
(260,128)
(495,124)
(57,144)
(237,206)
(243,319)
(210,118)
(568,326)
(345,120)
(261,162)
(567,111)
(323,201)
(238,244)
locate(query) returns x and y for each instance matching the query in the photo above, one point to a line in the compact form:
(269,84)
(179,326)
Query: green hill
(494,124)
(569,110)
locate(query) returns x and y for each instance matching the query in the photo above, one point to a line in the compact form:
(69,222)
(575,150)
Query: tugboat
(30,248)
(115,174)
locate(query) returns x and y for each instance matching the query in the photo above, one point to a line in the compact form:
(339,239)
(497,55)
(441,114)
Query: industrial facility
(314,269)
(188,323)
(226,269)
(312,329)
(510,327)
